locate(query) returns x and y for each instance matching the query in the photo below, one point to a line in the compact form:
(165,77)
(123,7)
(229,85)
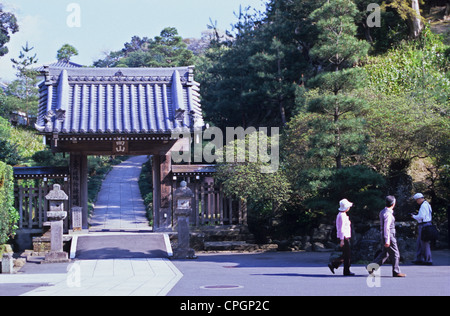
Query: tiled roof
(118,100)
(60,64)
(40,172)
(193,169)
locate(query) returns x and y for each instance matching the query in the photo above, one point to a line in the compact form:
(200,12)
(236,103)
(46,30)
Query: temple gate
(119,111)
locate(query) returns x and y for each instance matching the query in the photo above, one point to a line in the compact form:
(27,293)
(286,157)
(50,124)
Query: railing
(212,207)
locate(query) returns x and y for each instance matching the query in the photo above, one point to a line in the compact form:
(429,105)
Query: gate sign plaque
(120,147)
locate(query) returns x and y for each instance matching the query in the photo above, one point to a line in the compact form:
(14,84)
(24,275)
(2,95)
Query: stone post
(183,199)
(7,263)
(55,216)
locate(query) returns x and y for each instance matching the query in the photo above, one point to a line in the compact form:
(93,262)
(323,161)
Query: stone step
(227,233)
(226,236)
(230,245)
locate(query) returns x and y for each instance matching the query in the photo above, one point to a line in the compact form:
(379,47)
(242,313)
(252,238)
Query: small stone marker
(77,216)
(7,263)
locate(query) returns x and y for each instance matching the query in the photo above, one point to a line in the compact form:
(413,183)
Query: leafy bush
(8,152)
(416,67)
(146,189)
(46,158)
(17,144)
(8,214)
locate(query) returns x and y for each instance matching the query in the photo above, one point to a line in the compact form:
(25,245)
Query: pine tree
(338,132)
(25,86)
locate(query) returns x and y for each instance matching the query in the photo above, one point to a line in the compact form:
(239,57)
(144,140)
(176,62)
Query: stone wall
(366,241)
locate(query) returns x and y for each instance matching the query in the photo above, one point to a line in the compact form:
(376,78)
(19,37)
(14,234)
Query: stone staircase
(228,238)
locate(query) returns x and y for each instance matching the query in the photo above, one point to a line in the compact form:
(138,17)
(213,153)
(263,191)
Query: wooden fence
(31,204)
(213,208)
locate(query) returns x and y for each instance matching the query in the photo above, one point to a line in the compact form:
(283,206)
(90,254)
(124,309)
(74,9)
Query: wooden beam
(109,146)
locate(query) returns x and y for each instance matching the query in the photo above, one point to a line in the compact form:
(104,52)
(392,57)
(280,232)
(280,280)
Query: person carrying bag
(427,231)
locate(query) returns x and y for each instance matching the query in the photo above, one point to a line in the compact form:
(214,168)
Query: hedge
(8,214)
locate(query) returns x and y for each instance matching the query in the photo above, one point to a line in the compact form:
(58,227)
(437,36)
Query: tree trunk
(338,140)
(280,96)
(415,22)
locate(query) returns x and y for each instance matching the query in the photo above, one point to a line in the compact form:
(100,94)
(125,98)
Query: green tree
(25,86)
(245,180)
(166,50)
(8,26)
(338,46)
(409,10)
(66,52)
(317,187)
(251,79)
(338,132)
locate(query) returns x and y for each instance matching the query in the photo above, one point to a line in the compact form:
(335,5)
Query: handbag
(430,233)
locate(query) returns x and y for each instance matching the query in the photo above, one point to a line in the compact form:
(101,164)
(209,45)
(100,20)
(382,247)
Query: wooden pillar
(162,192)
(156,190)
(78,194)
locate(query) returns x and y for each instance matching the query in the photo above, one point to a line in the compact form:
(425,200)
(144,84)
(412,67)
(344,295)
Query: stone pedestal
(183,250)
(56,253)
(183,199)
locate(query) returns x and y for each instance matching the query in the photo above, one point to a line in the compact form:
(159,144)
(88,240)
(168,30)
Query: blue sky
(105,25)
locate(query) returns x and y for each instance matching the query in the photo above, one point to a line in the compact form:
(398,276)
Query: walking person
(344,233)
(424,218)
(390,248)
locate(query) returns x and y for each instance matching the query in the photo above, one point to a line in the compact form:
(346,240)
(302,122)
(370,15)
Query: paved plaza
(223,274)
(110,277)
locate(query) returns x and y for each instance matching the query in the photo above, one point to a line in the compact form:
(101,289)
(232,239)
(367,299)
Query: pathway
(116,257)
(113,277)
(119,205)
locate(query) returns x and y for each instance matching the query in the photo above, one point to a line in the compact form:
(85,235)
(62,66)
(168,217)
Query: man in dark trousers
(390,248)
(424,218)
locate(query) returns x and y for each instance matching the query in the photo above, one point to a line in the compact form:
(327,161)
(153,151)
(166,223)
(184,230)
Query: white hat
(344,205)
(418,196)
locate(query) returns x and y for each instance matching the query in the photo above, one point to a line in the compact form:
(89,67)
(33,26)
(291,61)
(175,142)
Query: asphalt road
(303,274)
(230,275)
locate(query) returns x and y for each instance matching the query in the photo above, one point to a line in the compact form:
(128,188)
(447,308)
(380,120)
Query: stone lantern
(183,201)
(55,216)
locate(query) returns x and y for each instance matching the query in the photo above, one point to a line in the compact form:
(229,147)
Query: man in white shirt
(424,218)
(344,233)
